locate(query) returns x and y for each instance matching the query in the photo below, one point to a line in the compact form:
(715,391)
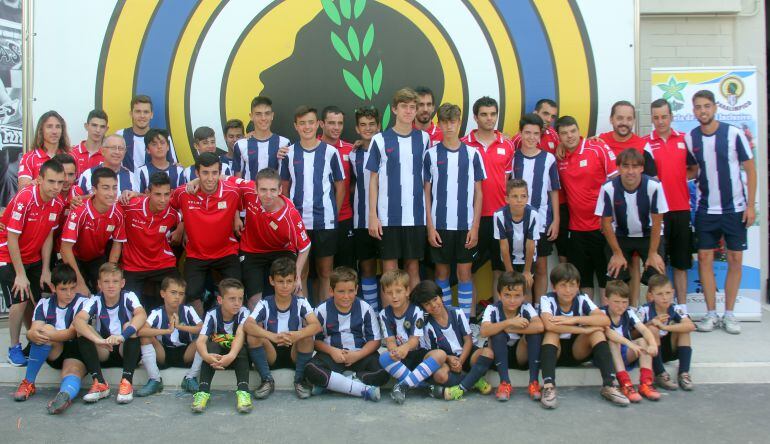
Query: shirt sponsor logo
(273,225)
(345,157)
(681,145)
(110,228)
(583,163)
(162,229)
(51,217)
(501,151)
(222,205)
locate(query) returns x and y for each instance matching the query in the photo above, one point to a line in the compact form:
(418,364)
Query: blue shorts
(710,228)
(624,353)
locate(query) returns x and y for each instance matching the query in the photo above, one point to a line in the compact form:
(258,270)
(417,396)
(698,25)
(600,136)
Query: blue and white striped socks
(370,292)
(446,291)
(465,297)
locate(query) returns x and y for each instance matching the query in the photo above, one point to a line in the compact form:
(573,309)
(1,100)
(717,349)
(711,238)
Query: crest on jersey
(184,54)
(407,324)
(419,323)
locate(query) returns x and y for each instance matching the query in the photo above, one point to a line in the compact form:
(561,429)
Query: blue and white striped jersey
(251,155)
(517,232)
(626,324)
(450,337)
(271,318)
(312,174)
(143,173)
(348,331)
(542,176)
(676,313)
(402,328)
(494,313)
(158,318)
(213,323)
(48,310)
(582,305)
(719,158)
(453,175)
(109,320)
(358,158)
(126,180)
(632,210)
(398,161)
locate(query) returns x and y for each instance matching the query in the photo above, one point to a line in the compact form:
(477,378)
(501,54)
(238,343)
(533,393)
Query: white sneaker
(708,323)
(732,325)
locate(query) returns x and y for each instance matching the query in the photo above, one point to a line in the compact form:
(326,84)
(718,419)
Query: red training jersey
(66,197)
(33,220)
(498,161)
(264,232)
(208,220)
(85,160)
(582,174)
(30,163)
(90,230)
(147,247)
(344,148)
(670,156)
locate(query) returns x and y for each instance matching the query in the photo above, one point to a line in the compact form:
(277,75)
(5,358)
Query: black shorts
(414,358)
(679,239)
(635,245)
(566,358)
(488,247)
(403,243)
(544,247)
(587,254)
(562,242)
(710,228)
(345,255)
(113,359)
(282,358)
(8,276)
(195,271)
(323,242)
(255,267)
(146,285)
(70,350)
(452,250)
(667,352)
(366,246)
(90,272)
(513,363)
(174,357)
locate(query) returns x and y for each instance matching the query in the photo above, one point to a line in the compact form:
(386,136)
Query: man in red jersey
(622,137)
(89,230)
(71,195)
(423,120)
(147,256)
(332,123)
(669,151)
(497,153)
(88,153)
(26,242)
(208,216)
(273,229)
(587,164)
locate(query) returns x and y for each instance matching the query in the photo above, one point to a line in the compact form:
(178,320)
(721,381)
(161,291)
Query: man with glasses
(114,150)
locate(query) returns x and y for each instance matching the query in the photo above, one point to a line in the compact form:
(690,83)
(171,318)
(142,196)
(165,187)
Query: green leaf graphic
(386,117)
(358,8)
(331,11)
(353,83)
(377,78)
(340,47)
(345,8)
(366,77)
(353,42)
(368,40)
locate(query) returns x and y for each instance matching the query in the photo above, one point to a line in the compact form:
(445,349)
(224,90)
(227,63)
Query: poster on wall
(10,103)
(735,90)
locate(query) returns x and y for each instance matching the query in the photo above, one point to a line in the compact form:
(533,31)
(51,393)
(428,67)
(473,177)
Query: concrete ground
(735,413)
